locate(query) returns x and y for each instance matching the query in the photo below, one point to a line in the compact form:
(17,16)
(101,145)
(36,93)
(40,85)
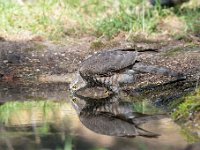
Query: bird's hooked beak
(78,104)
(77,83)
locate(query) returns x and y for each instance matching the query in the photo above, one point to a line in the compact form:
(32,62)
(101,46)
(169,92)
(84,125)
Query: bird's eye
(74,100)
(74,87)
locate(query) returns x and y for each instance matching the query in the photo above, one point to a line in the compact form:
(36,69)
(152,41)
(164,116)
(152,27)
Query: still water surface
(42,117)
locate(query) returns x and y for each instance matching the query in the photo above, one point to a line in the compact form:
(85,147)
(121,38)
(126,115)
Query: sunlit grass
(37,18)
(132,18)
(147,20)
(55,19)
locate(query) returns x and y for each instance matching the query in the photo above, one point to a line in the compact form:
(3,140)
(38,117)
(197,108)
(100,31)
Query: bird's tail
(145,133)
(157,70)
(146,118)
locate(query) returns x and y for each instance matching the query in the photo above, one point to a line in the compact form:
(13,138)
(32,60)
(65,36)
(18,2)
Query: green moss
(190,105)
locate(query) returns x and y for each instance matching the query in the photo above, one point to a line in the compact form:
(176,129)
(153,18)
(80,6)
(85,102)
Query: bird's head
(77,83)
(78,104)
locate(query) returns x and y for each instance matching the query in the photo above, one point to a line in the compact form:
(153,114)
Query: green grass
(38,18)
(190,137)
(131,20)
(192,19)
(189,106)
(56,20)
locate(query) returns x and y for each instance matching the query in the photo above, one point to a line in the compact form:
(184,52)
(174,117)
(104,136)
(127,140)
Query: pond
(42,116)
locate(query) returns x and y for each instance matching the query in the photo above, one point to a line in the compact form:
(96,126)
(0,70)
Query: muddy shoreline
(43,69)
(28,60)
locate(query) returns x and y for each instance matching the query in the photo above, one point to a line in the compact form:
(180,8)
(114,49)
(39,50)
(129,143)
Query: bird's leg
(139,67)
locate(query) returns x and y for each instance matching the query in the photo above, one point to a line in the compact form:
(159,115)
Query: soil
(34,59)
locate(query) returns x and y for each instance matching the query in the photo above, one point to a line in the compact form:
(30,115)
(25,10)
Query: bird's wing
(109,125)
(123,111)
(108,62)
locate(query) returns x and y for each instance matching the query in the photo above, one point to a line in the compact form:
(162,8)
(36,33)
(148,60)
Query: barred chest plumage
(114,106)
(115,79)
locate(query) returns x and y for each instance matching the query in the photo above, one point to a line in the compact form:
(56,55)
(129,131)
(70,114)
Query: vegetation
(190,137)
(189,107)
(56,20)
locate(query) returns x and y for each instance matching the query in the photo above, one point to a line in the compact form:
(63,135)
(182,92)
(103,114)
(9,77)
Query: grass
(55,20)
(190,137)
(131,20)
(186,113)
(148,20)
(191,105)
(192,19)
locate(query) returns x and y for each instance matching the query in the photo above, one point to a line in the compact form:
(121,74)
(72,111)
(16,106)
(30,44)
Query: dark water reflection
(114,116)
(42,117)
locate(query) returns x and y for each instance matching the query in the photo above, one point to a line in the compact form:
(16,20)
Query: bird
(115,67)
(114,117)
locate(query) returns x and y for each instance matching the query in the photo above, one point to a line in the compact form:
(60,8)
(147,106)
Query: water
(43,117)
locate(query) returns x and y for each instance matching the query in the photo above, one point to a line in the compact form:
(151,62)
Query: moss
(189,106)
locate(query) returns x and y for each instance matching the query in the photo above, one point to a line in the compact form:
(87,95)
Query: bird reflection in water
(112,116)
